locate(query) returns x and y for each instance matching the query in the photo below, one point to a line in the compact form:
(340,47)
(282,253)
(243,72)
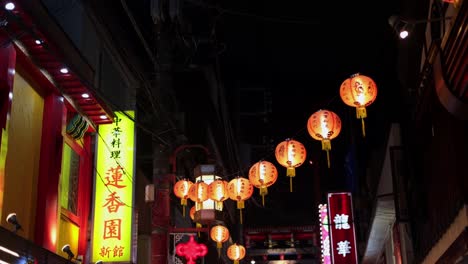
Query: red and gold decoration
(290,154)
(324,125)
(218,192)
(192,216)
(359,91)
(191,250)
(219,234)
(181,190)
(262,175)
(236,252)
(198,193)
(240,189)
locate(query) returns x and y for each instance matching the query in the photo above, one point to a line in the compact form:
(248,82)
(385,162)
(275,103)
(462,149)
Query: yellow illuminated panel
(68,234)
(112,228)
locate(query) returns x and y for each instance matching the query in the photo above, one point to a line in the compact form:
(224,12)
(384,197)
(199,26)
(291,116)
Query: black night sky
(300,52)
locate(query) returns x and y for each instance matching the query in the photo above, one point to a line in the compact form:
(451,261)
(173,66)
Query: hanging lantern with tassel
(324,125)
(198,193)
(240,189)
(290,154)
(219,234)
(217,191)
(262,175)
(181,190)
(236,253)
(359,91)
(192,216)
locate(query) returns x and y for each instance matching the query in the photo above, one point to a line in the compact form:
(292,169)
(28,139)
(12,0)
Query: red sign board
(342,233)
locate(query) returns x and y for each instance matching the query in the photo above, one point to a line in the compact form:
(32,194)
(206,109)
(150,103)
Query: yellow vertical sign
(112,221)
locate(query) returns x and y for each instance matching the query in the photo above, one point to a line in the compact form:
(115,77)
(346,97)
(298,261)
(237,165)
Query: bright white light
(85,95)
(9,6)
(11,252)
(252,261)
(404,34)
(103,117)
(3,262)
(61,99)
(10,95)
(64,70)
(38,42)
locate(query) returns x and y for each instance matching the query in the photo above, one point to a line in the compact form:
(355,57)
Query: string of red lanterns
(357,91)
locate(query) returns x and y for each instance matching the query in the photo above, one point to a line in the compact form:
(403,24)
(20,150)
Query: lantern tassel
(290,172)
(263,192)
(290,184)
(361,113)
(236,262)
(218,247)
(198,225)
(363,128)
(183,202)
(326,145)
(240,216)
(240,206)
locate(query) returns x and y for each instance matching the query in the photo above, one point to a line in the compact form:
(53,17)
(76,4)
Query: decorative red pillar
(85,194)
(49,172)
(161,222)
(7,75)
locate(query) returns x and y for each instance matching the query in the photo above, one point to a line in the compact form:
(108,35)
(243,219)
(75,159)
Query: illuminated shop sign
(342,233)
(112,226)
(324,234)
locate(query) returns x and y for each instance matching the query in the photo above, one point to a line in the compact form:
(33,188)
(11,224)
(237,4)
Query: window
(69,179)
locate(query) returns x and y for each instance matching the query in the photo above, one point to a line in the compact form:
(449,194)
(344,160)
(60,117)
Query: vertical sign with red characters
(113,194)
(342,233)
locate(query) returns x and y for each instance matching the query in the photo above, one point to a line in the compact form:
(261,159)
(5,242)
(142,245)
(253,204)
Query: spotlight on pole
(11,218)
(404,27)
(66,249)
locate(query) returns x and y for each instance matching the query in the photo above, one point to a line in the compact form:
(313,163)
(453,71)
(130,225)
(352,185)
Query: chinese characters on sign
(113,200)
(324,234)
(342,233)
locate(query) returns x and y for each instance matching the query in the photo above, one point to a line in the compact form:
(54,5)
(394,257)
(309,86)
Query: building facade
(419,199)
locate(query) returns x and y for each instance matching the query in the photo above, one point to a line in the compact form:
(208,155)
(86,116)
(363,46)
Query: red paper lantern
(192,213)
(219,234)
(217,191)
(181,190)
(198,193)
(191,250)
(324,125)
(240,189)
(290,154)
(262,175)
(236,252)
(359,91)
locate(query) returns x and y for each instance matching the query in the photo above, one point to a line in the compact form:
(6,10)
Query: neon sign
(324,234)
(342,233)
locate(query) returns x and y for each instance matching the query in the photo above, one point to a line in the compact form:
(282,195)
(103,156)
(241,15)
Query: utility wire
(272,154)
(285,20)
